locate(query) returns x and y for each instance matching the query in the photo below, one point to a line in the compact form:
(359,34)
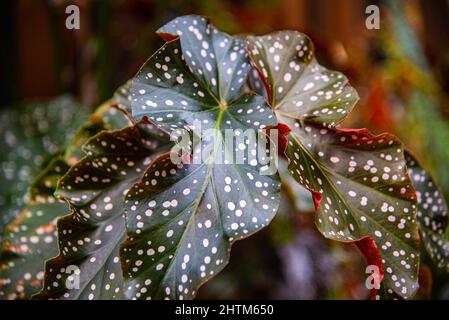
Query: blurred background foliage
(400,71)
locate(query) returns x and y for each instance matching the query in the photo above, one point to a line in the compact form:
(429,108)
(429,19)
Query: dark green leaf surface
(122,97)
(365,191)
(90,236)
(218,61)
(174,98)
(432,213)
(301,199)
(31,238)
(300,88)
(105,118)
(44,185)
(256,83)
(359,181)
(183,218)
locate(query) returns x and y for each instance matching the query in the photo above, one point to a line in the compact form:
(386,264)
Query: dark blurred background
(41,58)
(401,72)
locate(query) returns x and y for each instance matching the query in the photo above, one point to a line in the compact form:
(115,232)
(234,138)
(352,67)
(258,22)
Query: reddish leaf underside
(369,249)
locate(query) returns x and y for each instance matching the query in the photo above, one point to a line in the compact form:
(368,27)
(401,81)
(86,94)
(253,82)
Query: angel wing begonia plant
(143,226)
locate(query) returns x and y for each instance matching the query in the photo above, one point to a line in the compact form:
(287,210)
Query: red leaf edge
(366,244)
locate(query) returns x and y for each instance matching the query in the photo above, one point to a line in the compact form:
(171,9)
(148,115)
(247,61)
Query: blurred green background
(400,71)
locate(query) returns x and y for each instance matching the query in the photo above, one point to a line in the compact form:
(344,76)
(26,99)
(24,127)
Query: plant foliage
(151,221)
(31,238)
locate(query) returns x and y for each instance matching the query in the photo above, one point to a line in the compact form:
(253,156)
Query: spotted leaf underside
(182,218)
(89,237)
(31,238)
(359,181)
(431,214)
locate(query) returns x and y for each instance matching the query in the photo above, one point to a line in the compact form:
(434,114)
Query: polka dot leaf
(105,118)
(359,183)
(89,237)
(145,225)
(218,61)
(182,218)
(173,94)
(31,238)
(361,191)
(432,213)
(122,97)
(298,87)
